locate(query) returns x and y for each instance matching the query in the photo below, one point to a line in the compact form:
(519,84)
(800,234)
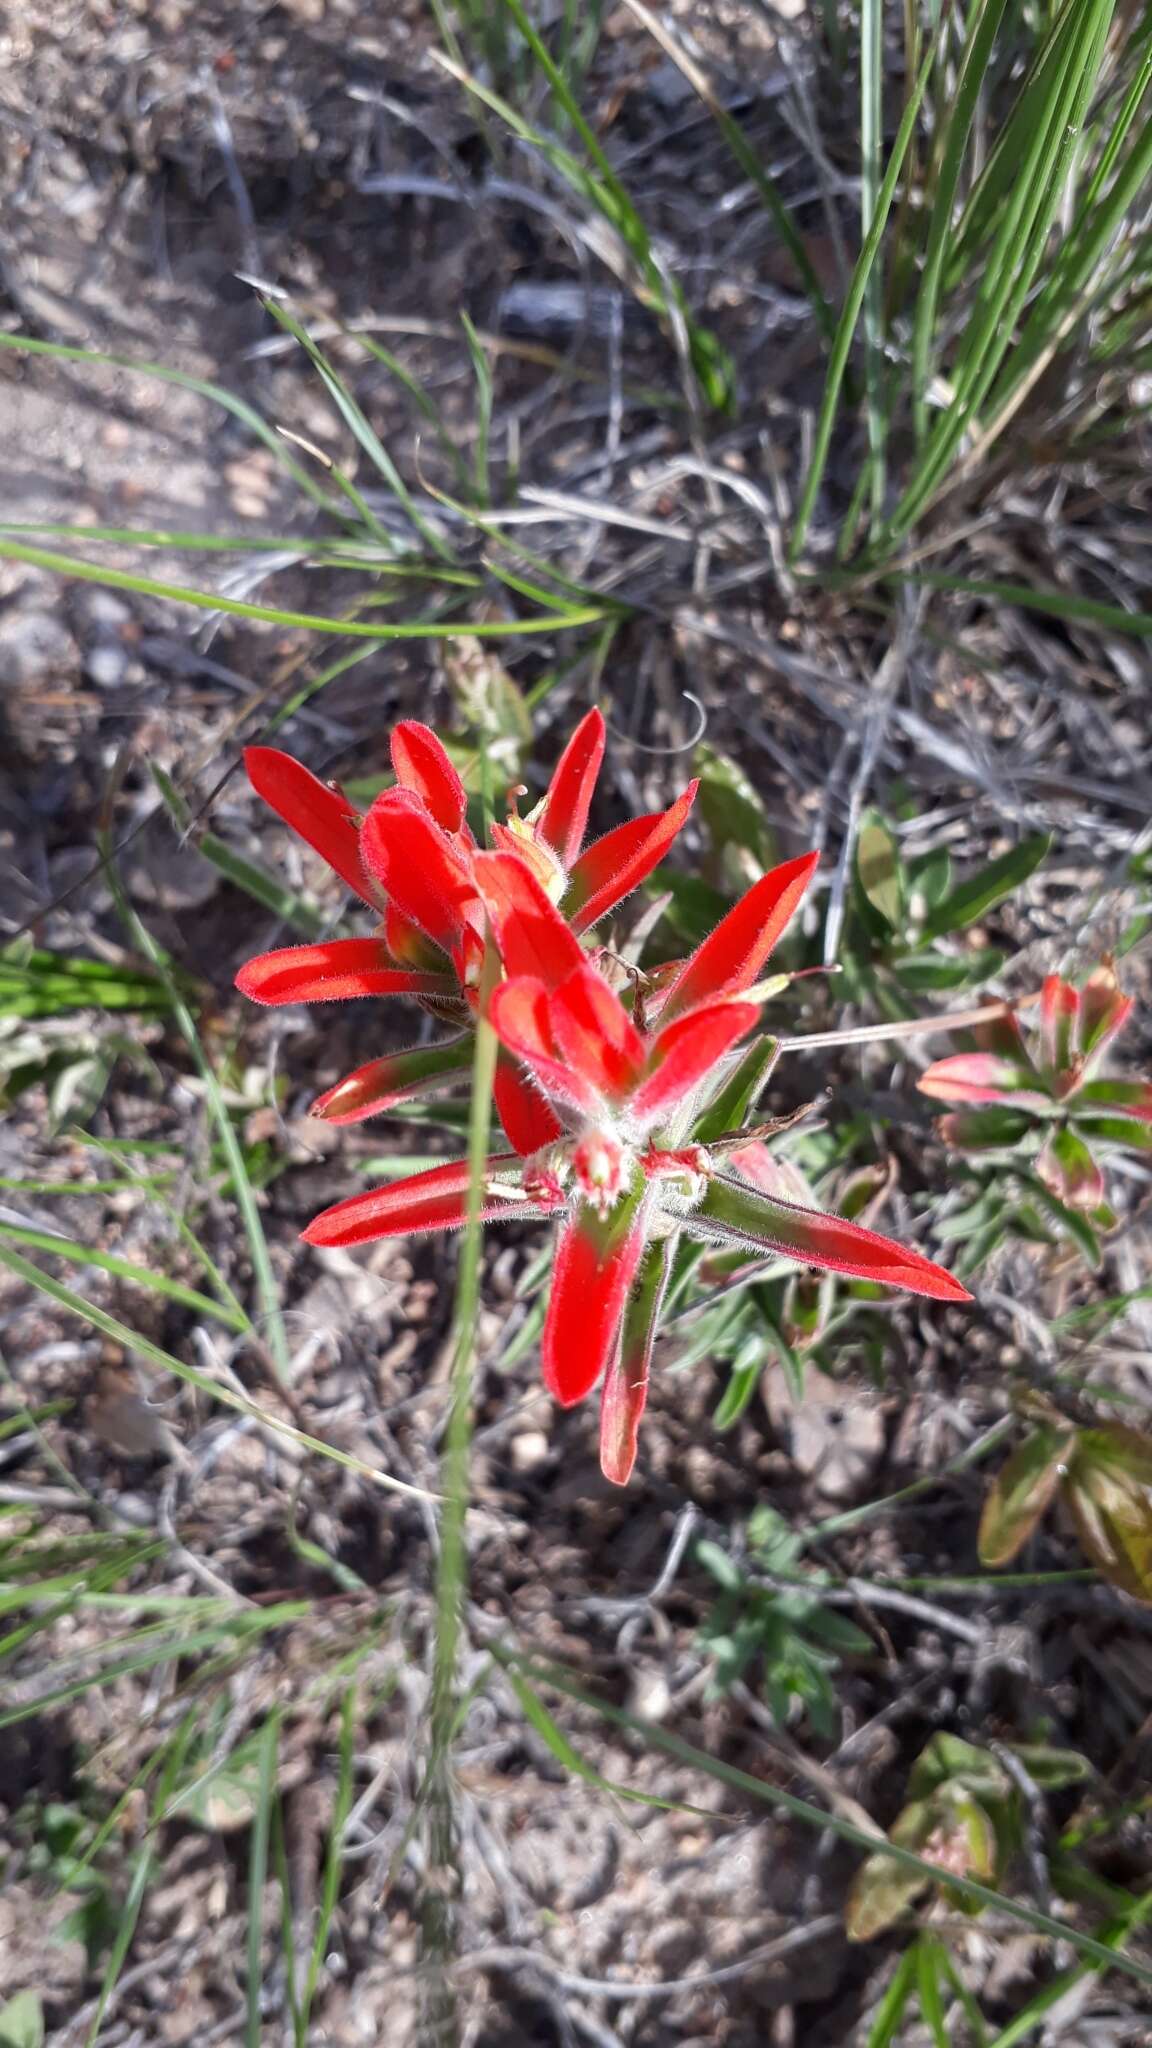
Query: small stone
(106,664)
(34,645)
(529,1450)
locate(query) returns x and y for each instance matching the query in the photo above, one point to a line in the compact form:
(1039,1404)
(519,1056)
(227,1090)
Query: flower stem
(911,1027)
(441,1887)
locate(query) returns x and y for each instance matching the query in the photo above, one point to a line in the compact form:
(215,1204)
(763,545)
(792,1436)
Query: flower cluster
(625,1096)
(1049,1085)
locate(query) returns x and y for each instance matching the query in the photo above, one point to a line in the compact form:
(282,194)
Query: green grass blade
(1058,604)
(125,1269)
(331,1885)
(255,880)
(146,1862)
(267,1288)
(890,2011)
(364,433)
(267,1756)
(426,406)
(228,1396)
(1082,273)
(238,407)
(452,1564)
(748,161)
(930,1961)
(1015,256)
(210,601)
(982,31)
(482,374)
(602,189)
(158,537)
(871,145)
(846,328)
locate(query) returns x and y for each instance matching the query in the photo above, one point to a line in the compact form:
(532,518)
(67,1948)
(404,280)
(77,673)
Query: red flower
(1050,1086)
(621,1155)
(410,858)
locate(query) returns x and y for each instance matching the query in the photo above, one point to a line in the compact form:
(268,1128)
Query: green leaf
(1071,1221)
(731,1108)
(929,879)
(1109,1490)
(883,1888)
(1052,1769)
(930,973)
(733,810)
(879,871)
(948,1760)
(1021,1492)
(978,893)
(1117,1130)
(743,1380)
(22,2021)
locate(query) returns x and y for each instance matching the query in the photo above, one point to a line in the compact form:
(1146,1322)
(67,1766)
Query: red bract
(616,1143)
(1049,1086)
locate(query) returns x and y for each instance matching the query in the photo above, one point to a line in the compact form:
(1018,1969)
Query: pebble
(34,646)
(529,1450)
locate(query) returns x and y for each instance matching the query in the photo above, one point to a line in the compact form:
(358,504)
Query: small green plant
(903,935)
(965,1812)
(1103,1476)
(62,1851)
(22,2021)
(783,1634)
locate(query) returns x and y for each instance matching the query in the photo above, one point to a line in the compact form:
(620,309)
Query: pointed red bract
(982,1077)
(687,1050)
(1068,1170)
(1059,1017)
(529,1120)
(531,936)
(334,971)
(320,816)
(563,816)
(625,1394)
(410,946)
(520,1013)
(434,1200)
(616,864)
(594,1032)
(1103,1012)
(422,766)
(743,1216)
(732,956)
(424,873)
(594,1268)
(397,1077)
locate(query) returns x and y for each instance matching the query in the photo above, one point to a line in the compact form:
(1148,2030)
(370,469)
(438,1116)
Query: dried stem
(911,1027)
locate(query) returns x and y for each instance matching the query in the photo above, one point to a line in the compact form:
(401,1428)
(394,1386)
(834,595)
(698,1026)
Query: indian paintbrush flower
(1049,1083)
(624,1147)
